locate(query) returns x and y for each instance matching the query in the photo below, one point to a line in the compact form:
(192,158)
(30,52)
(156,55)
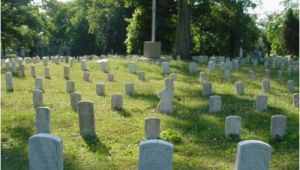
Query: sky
(266,6)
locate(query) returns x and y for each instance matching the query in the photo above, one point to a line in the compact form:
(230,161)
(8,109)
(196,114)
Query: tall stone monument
(152,49)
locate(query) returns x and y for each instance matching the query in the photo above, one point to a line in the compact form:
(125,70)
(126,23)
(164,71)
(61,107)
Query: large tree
(291,33)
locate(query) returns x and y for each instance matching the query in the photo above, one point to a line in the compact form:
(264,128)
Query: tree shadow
(95,145)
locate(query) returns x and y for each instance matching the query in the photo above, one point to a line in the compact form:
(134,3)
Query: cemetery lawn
(198,136)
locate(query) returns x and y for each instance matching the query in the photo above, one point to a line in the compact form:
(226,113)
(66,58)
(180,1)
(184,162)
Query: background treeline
(185,27)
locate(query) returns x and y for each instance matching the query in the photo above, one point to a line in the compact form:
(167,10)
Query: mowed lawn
(198,136)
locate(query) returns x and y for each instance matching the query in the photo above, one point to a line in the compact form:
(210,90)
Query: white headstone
(132,67)
(86,118)
(47,72)
(70,86)
(38,83)
(117,101)
(32,69)
(261,103)
(9,81)
(129,88)
(215,104)
(66,72)
(165,68)
(45,152)
(207,89)
(74,99)
(233,125)
(192,67)
(266,86)
(155,155)
(152,128)
(169,83)
(211,66)
(110,77)
(239,86)
(42,120)
(165,104)
(100,89)
(203,77)
(37,98)
(278,126)
(253,155)
(86,76)
(141,76)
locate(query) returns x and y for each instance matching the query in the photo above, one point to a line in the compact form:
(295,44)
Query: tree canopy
(185,27)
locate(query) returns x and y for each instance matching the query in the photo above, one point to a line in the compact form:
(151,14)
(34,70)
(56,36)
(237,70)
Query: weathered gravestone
(239,86)
(261,103)
(86,118)
(104,65)
(42,120)
(70,86)
(22,70)
(100,89)
(169,83)
(192,67)
(296,99)
(110,77)
(117,101)
(152,128)
(32,70)
(165,69)
(215,104)
(227,74)
(155,155)
(278,126)
(211,66)
(253,155)
(165,103)
(203,77)
(129,88)
(9,81)
(66,72)
(84,65)
(86,76)
(45,152)
(207,89)
(291,86)
(37,98)
(141,75)
(266,86)
(74,99)
(47,72)
(131,67)
(233,125)
(38,83)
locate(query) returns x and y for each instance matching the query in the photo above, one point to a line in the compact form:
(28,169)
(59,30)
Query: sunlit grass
(202,145)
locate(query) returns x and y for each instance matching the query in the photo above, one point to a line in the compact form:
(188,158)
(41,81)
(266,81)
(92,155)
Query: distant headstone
(22,70)
(251,74)
(239,86)
(104,65)
(279,73)
(155,154)
(152,128)
(233,125)
(165,68)
(110,77)
(117,101)
(38,83)
(42,120)
(165,104)
(227,74)
(129,88)
(169,83)
(211,66)
(207,89)
(74,99)
(84,65)
(266,87)
(192,67)
(291,86)
(278,126)
(86,76)
(70,86)
(203,77)
(37,98)
(141,76)
(66,72)
(86,118)
(9,81)
(215,104)
(100,89)
(47,72)
(253,155)
(132,67)
(14,68)
(32,69)
(261,103)
(222,66)
(296,99)
(45,152)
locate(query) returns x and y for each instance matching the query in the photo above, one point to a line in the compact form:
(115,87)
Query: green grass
(198,136)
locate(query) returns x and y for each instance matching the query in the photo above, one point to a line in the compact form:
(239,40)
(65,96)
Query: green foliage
(291,33)
(171,136)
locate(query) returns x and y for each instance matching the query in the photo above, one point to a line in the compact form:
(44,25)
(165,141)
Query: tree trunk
(182,46)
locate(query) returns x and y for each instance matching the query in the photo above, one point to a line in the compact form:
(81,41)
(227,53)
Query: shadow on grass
(146,97)
(14,148)
(95,145)
(122,112)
